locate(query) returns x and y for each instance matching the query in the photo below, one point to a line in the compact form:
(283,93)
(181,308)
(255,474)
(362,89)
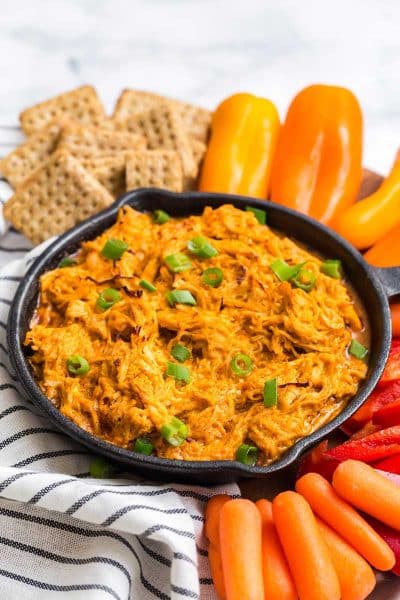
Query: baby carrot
(211,529)
(306,551)
(240,536)
(368,490)
(278,581)
(356,578)
(345,520)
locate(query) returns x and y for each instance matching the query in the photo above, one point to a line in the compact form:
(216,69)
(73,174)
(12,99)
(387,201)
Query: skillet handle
(389,278)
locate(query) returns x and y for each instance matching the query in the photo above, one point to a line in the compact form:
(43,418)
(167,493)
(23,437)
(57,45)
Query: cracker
(163,130)
(154,168)
(195,120)
(54,198)
(81,104)
(85,143)
(199,150)
(110,172)
(24,160)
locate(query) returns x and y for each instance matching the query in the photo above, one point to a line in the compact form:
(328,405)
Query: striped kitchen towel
(65,535)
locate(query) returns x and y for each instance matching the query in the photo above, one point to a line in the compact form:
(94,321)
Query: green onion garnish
(180,297)
(283,271)
(305,280)
(241,364)
(247,455)
(160,217)
(77,365)
(114,249)
(270,393)
(180,352)
(358,350)
(66,262)
(175,432)
(147,285)
(101,468)
(201,247)
(259,214)
(143,446)
(178,262)
(213,277)
(332,268)
(178,372)
(108,298)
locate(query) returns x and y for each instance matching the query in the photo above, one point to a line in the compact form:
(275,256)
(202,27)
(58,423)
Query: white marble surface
(203,50)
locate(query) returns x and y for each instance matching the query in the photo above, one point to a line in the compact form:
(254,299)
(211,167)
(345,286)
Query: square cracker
(81,104)
(85,143)
(24,160)
(110,172)
(195,120)
(154,168)
(199,150)
(54,198)
(162,129)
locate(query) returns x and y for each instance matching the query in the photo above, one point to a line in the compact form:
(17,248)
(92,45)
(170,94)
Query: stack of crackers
(76,160)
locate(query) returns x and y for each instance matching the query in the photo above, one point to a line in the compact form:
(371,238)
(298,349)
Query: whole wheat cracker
(199,150)
(85,143)
(29,155)
(162,129)
(110,173)
(54,198)
(195,120)
(81,104)
(154,168)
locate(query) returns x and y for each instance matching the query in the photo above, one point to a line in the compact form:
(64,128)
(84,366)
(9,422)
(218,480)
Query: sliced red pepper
(389,415)
(392,369)
(317,461)
(382,395)
(368,429)
(371,448)
(391,464)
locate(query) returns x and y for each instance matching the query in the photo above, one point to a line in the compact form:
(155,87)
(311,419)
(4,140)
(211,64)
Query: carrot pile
(308,544)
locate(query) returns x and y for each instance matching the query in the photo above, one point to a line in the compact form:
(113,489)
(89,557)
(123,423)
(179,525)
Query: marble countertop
(203,51)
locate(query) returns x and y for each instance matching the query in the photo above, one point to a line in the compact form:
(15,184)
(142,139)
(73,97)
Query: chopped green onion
(101,468)
(108,298)
(283,271)
(180,297)
(259,214)
(305,280)
(180,352)
(77,365)
(114,249)
(160,217)
(175,432)
(66,262)
(241,364)
(358,350)
(270,393)
(213,277)
(143,446)
(178,372)
(332,268)
(147,285)
(201,247)
(247,455)
(178,262)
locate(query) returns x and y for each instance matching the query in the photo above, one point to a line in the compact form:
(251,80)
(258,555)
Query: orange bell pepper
(376,220)
(244,132)
(317,167)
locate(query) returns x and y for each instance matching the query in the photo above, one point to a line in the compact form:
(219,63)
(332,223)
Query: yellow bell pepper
(244,132)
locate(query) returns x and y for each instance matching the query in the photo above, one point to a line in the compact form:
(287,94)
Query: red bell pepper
(388,415)
(390,465)
(371,448)
(392,369)
(382,395)
(317,461)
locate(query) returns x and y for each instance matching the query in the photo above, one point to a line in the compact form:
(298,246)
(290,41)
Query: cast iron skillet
(374,287)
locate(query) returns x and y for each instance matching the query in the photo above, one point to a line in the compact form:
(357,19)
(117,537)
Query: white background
(203,50)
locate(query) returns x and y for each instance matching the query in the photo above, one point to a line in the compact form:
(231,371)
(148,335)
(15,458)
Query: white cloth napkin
(65,535)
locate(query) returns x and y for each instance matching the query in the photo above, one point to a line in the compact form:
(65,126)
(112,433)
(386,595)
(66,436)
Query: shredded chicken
(297,337)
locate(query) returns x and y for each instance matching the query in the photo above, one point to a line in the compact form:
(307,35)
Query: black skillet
(374,287)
